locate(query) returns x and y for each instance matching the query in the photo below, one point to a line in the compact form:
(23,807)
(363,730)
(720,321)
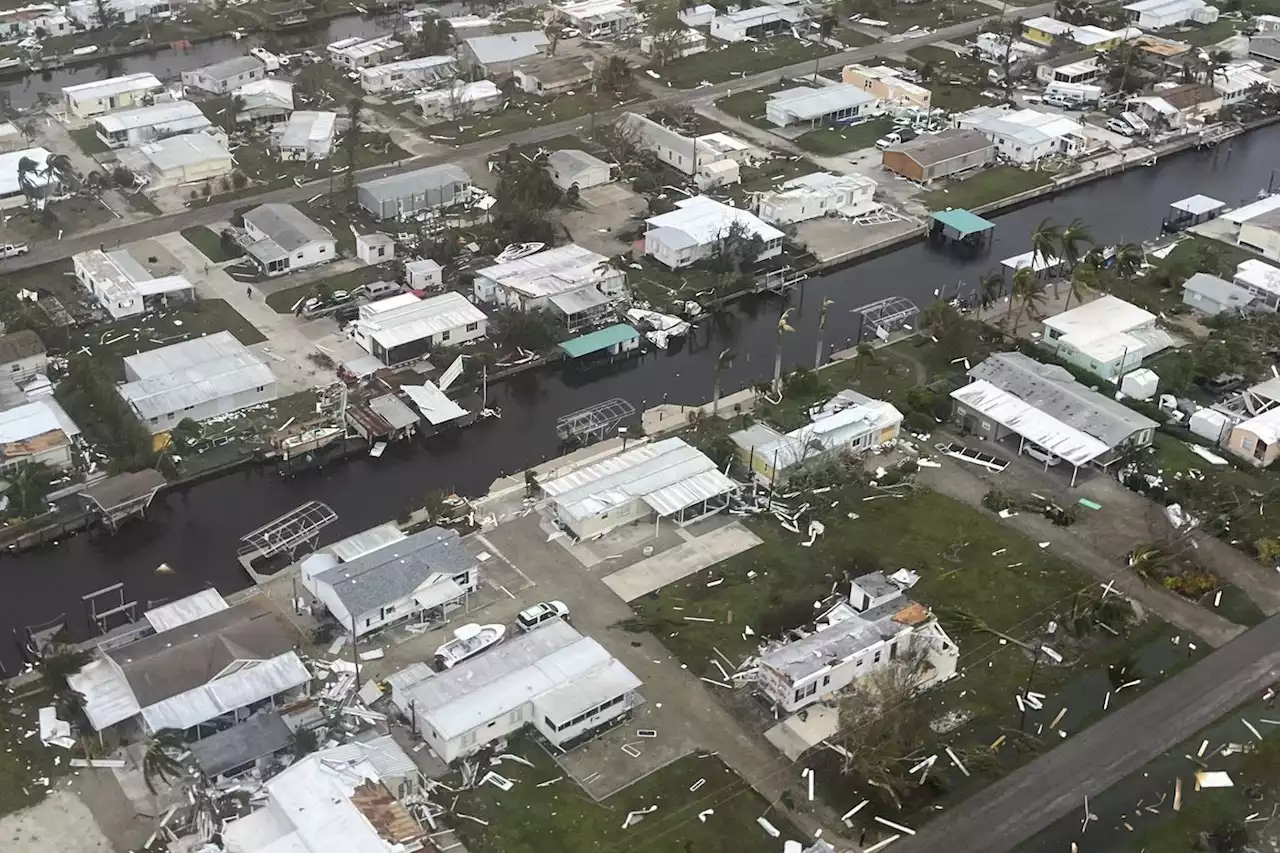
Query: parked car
(1223,383)
(1060,102)
(346,314)
(543,611)
(1039,454)
(889,139)
(1121,127)
(13,250)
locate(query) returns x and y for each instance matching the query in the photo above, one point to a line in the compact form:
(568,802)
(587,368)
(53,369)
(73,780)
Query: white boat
(468,640)
(518,250)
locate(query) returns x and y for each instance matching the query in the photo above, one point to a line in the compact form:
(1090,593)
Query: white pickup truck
(12,250)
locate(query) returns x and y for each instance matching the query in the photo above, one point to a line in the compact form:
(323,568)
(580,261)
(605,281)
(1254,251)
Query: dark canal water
(196,532)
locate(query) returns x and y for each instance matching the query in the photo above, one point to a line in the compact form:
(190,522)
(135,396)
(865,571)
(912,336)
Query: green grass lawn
(738,59)
(560,816)
(524,113)
(957,82)
(209,243)
(89,142)
(986,187)
(833,141)
(851,38)
(23,760)
(282,301)
(749,105)
(111,342)
(1203,36)
(932,14)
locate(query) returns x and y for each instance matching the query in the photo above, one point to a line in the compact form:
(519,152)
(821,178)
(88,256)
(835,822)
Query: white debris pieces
(55,732)
(768,827)
(816,529)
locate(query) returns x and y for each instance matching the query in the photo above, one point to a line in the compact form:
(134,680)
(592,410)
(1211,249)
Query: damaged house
(197,664)
(875,627)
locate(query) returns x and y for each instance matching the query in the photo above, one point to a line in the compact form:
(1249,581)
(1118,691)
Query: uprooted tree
(884,729)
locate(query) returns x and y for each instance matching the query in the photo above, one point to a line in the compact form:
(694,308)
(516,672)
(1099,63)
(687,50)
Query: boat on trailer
(468,640)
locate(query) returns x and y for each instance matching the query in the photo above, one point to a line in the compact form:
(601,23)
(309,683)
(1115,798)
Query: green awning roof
(962,221)
(599,340)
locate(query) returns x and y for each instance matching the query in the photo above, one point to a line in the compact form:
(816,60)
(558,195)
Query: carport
(991,405)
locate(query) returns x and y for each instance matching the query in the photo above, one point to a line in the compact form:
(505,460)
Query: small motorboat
(468,640)
(519,250)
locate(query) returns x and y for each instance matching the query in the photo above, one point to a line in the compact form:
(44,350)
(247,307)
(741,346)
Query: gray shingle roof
(415,182)
(287,226)
(1054,391)
(391,573)
(172,662)
(938,148)
(260,736)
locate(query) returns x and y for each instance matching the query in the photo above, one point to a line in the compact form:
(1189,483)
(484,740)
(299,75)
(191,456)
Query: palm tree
(58,664)
(1027,296)
(1150,562)
(1044,244)
(1072,241)
(783,328)
(990,288)
(1130,258)
(822,325)
(1083,278)
(723,361)
(28,170)
(157,763)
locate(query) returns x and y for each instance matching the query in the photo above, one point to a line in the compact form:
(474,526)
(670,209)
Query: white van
(1039,454)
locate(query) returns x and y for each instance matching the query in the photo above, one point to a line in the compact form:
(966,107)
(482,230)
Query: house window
(324,249)
(877,658)
(826,679)
(515,716)
(15,368)
(444,336)
(893,651)
(471,327)
(806,691)
(299,256)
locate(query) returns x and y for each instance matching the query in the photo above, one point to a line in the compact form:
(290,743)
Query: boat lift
(296,529)
(593,423)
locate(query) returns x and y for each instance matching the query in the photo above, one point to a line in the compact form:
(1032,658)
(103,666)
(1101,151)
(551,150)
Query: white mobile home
(282,239)
(662,479)
(838,103)
(597,18)
(696,228)
(308,135)
(355,53)
(186,159)
(381,577)
(413,192)
(563,684)
(415,328)
(407,74)
(536,282)
(757,22)
(877,626)
(1108,336)
(147,124)
(86,100)
(123,286)
(85,12)
(197,379)
(221,77)
(36,432)
(570,167)
(458,100)
(819,194)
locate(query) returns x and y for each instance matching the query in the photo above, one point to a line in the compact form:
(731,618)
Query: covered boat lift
(117,499)
(961,228)
(1192,210)
(295,529)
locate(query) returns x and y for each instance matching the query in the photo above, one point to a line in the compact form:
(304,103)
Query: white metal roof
(168,114)
(27,421)
(106,695)
(1253,209)
(668,475)
(163,395)
(1198,205)
(434,404)
(706,220)
(564,703)
(550,272)
(525,668)
(1104,316)
(507,47)
(366,541)
(1053,26)
(307,127)
(1265,426)
(98,89)
(184,610)
(405,66)
(252,683)
(1033,259)
(1255,273)
(356,47)
(166,360)
(1164,5)
(422,319)
(389,760)
(1029,422)
(178,152)
(807,104)
(394,412)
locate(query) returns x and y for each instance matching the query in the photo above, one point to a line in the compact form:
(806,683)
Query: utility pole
(355,655)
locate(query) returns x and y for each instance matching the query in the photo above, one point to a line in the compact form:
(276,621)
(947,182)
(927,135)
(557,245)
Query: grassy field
(1203,36)
(985,187)
(957,82)
(23,760)
(110,343)
(833,141)
(738,59)
(529,819)
(850,38)
(933,14)
(89,142)
(208,242)
(750,104)
(524,113)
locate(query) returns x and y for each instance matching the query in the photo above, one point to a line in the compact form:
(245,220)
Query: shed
(375,248)
(571,167)
(424,274)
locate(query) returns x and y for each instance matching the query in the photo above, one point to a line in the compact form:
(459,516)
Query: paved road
(44,252)
(1028,800)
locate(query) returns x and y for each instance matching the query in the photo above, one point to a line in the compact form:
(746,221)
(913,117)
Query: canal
(196,531)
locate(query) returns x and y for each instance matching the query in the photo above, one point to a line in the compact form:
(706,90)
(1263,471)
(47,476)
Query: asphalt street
(44,252)
(1025,802)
